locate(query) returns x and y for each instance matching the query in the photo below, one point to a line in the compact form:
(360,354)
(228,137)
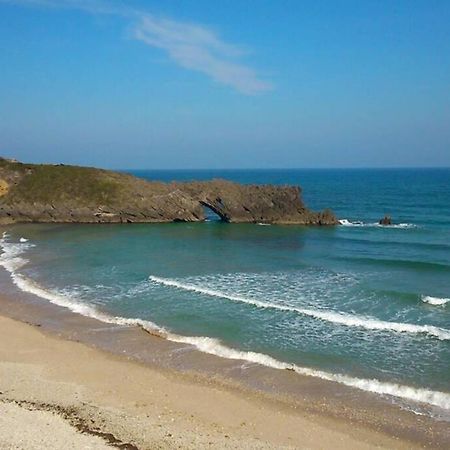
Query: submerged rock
(59,193)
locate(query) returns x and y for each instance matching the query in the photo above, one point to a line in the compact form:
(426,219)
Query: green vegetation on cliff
(47,183)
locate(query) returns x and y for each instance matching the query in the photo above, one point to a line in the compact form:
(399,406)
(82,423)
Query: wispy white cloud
(197,48)
(191,46)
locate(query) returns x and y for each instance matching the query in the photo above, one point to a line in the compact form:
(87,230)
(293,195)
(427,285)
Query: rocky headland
(71,194)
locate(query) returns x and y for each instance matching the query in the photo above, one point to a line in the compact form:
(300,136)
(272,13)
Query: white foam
(213,346)
(10,260)
(349,320)
(399,225)
(435,301)
(22,239)
(357,223)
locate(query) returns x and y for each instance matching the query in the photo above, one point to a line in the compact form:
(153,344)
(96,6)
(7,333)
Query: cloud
(191,46)
(197,48)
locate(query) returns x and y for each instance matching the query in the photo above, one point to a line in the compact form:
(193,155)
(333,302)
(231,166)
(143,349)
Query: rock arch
(215,211)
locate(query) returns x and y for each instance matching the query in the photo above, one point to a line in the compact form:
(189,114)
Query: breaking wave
(435,301)
(329,316)
(215,347)
(12,260)
(357,223)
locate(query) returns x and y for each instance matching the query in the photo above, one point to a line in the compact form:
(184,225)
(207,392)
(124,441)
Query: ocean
(364,305)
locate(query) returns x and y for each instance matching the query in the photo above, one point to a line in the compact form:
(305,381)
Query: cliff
(58,193)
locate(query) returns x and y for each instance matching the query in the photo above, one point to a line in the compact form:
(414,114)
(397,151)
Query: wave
(435,301)
(329,316)
(421,395)
(210,345)
(375,241)
(405,263)
(358,223)
(11,258)
(11,261)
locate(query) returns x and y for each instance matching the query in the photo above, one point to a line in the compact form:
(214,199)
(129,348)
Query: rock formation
(386,220)
(58,193)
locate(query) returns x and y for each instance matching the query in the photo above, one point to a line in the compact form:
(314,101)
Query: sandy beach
(55,391)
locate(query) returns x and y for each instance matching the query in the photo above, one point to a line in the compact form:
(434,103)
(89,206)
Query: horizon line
(125,169)
(292,168)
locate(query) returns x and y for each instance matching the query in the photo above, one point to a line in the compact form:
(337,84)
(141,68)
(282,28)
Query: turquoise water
(359,301)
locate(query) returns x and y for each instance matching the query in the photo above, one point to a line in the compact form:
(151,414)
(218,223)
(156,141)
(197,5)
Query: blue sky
(226,84)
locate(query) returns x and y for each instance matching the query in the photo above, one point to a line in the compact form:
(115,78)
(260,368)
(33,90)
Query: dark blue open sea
(364,305)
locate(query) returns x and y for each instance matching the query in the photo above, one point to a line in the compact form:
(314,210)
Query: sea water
(361,304)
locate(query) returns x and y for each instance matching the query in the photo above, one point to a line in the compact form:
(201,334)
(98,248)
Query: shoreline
(342,408)
(135,406)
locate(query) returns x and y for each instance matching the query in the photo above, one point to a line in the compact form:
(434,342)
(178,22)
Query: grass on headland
(53,183)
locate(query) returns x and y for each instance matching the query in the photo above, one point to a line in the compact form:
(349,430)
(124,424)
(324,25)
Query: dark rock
(386,220)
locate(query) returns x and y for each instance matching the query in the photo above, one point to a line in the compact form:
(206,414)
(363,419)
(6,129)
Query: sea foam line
(421,395)
(211,345)
(348,223)
(367,323)
(11,260)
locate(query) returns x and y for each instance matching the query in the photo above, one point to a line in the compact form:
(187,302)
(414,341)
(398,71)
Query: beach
(88,397)
(68,378)
(196,335)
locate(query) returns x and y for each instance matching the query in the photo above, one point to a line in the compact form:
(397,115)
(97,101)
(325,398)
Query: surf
(435,301)
(367,323)
(12,259)
(421,395)
(358,223)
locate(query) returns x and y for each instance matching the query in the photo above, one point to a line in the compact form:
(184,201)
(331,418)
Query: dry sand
(27,428)
(63,394)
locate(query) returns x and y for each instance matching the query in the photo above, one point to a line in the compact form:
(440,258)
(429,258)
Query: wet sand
(121,386)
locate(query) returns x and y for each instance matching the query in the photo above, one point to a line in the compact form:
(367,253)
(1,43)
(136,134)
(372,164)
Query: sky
(190,84)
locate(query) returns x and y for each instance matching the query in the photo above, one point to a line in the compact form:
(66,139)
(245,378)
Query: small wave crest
(435,301)
(12,256)
(329,316)
(357,223)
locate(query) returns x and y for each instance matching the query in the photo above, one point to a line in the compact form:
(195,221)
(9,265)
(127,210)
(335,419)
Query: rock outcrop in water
(70,194)
(386,220)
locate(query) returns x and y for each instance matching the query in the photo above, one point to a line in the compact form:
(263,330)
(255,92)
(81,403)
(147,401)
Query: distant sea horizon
(274,169)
